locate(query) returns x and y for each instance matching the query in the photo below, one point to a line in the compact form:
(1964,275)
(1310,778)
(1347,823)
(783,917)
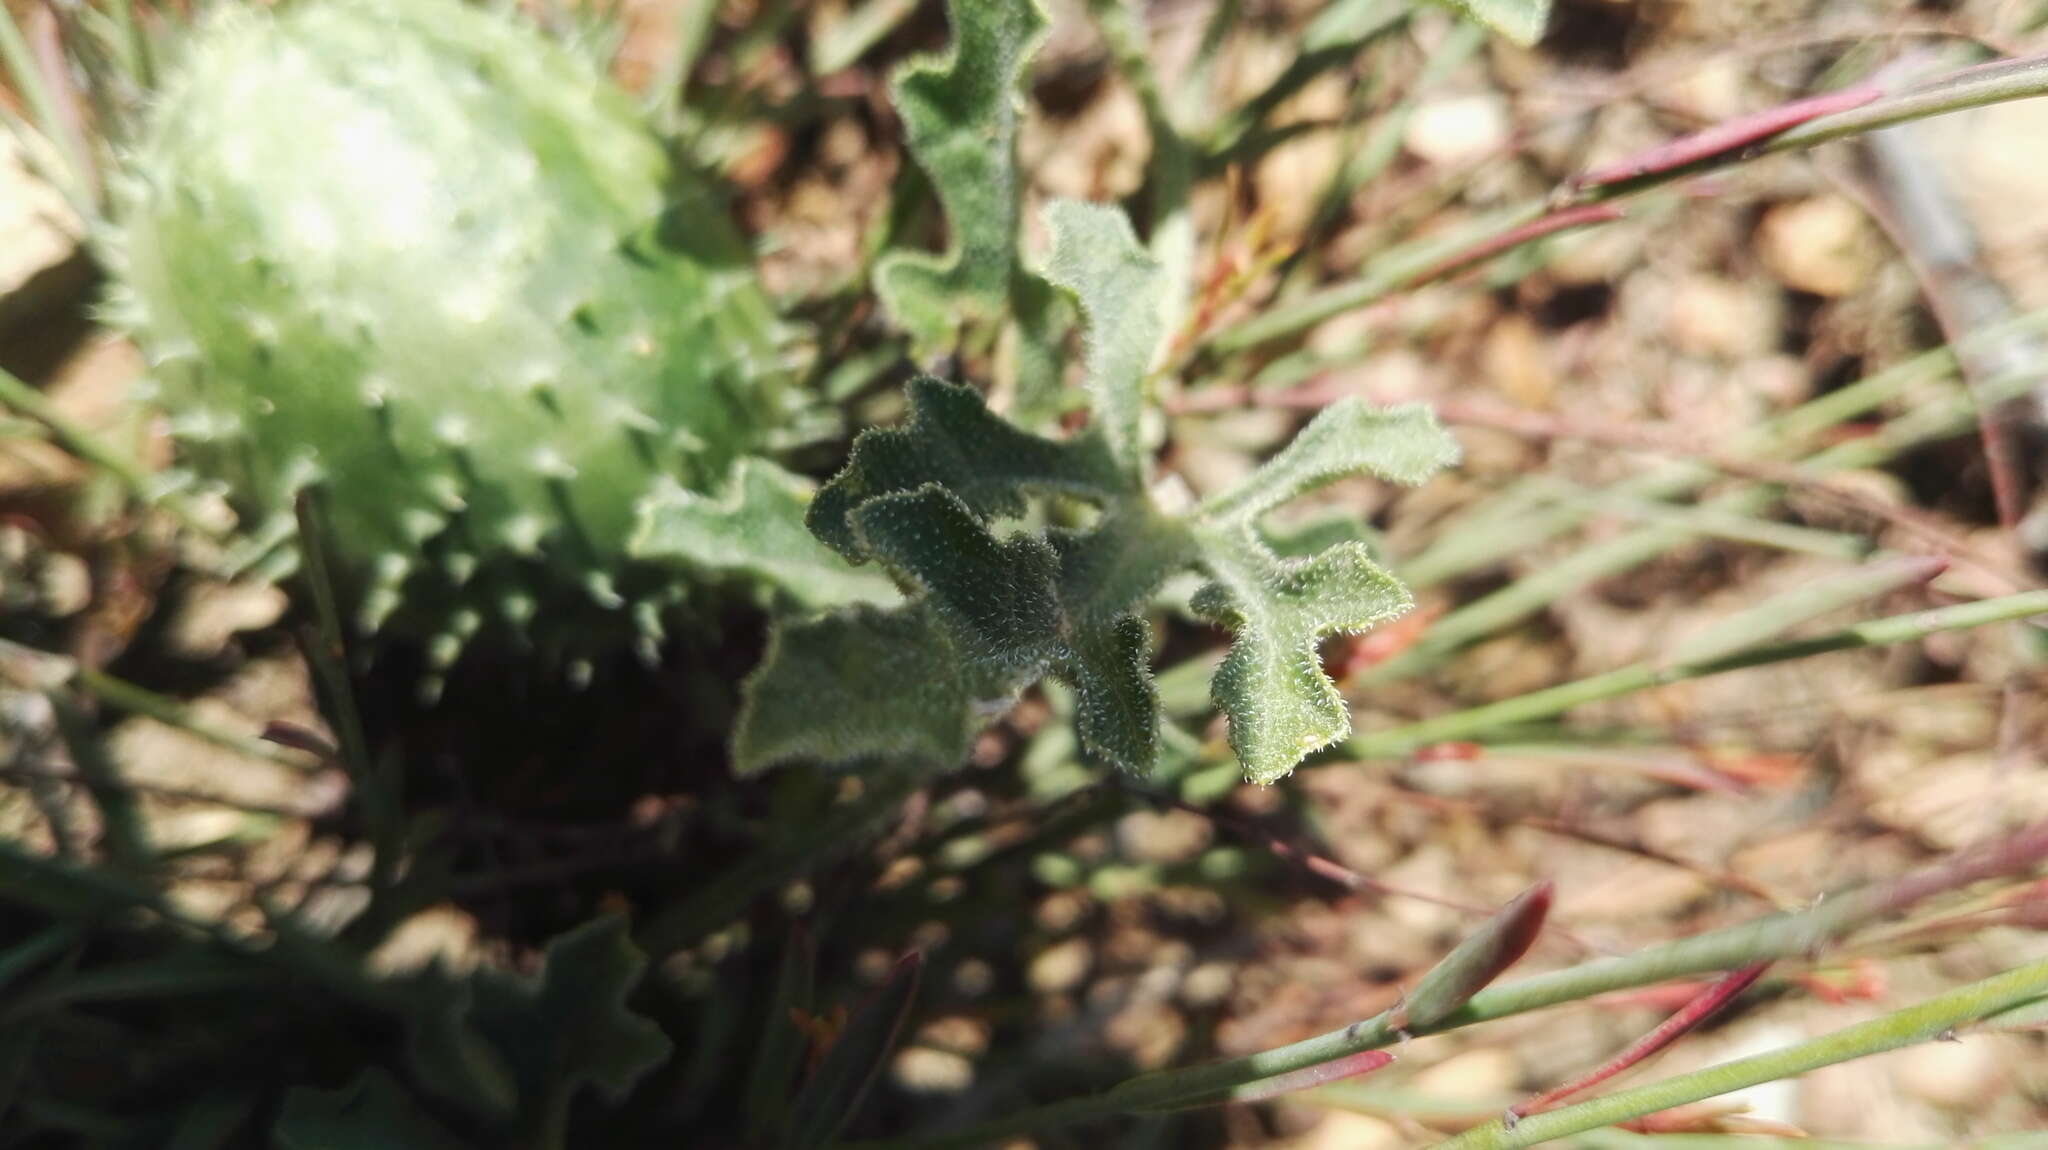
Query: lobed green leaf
(370,1113)
(1282,706)
(860,683)
(961,113)
(1000,595)
(953,440)
(1122,291)
(755,528)
(1350,437)
(517,1050)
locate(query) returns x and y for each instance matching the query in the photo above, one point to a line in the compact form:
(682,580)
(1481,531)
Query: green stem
(726,896)
(1998,82)
(1525,596)
(125,696)
(1559,699)
(1779,936)
(123,832)
(29,80)
(1935,1018)
(1507,524)
(1970,88)
(1170,171)
(693,22)
(138,482)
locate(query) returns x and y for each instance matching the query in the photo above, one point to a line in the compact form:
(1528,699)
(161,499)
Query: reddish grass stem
(1703,1006)
(1729,136)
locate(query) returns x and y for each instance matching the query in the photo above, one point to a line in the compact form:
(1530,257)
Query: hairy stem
(1568,207)
(1559,699)
(1923,1023)
(1779,936)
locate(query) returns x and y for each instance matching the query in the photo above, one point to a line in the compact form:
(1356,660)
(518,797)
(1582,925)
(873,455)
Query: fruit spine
(414,254)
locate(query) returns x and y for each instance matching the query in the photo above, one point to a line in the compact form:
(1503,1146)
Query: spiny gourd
(417,255)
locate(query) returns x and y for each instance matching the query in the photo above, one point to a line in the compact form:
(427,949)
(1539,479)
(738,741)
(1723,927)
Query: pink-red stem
(1704,1006)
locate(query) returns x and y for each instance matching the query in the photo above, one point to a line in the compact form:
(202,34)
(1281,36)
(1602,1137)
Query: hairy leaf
(960,115)
(857,684)
(1122,290)
(952,439)
(990,609)
(991,614)
(570,1027)
(1282,706)
(517,1049)
(1000,595)
(1522,21)
(1113,568)
(1398,444)
(755,528)
(370,1113)
(1116,707)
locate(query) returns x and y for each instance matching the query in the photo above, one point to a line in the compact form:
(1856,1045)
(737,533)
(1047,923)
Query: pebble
(1714,316)
(1822,245)
(1953,1074)
(1486,1074)
(923,1070)
(1061,966)
(1165,837)
(39,236)
(1341,1130)
(1460,130)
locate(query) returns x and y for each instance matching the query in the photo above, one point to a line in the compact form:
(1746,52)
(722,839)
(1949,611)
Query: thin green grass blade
(833,1094)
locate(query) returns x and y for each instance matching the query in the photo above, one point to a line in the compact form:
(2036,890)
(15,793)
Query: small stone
(1594,255)
(1821,245)
(1961,799)
(1713,316)
(1208,984)
(923,1070)
(1954,1074)
(39,233)
(956,1032)
(1150,1033)
(1164,837)
(1711,91)
(1517,364)
(1340,1130)
(1060,967)
(214,613)
(1485,1075)
(446,935)
(1458,131)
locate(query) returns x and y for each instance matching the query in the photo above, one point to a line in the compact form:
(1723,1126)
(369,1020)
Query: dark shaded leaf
(371,1113)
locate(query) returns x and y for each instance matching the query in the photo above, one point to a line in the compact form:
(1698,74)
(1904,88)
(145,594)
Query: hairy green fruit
(413,254)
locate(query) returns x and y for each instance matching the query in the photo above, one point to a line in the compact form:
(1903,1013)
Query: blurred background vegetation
(1732,396)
